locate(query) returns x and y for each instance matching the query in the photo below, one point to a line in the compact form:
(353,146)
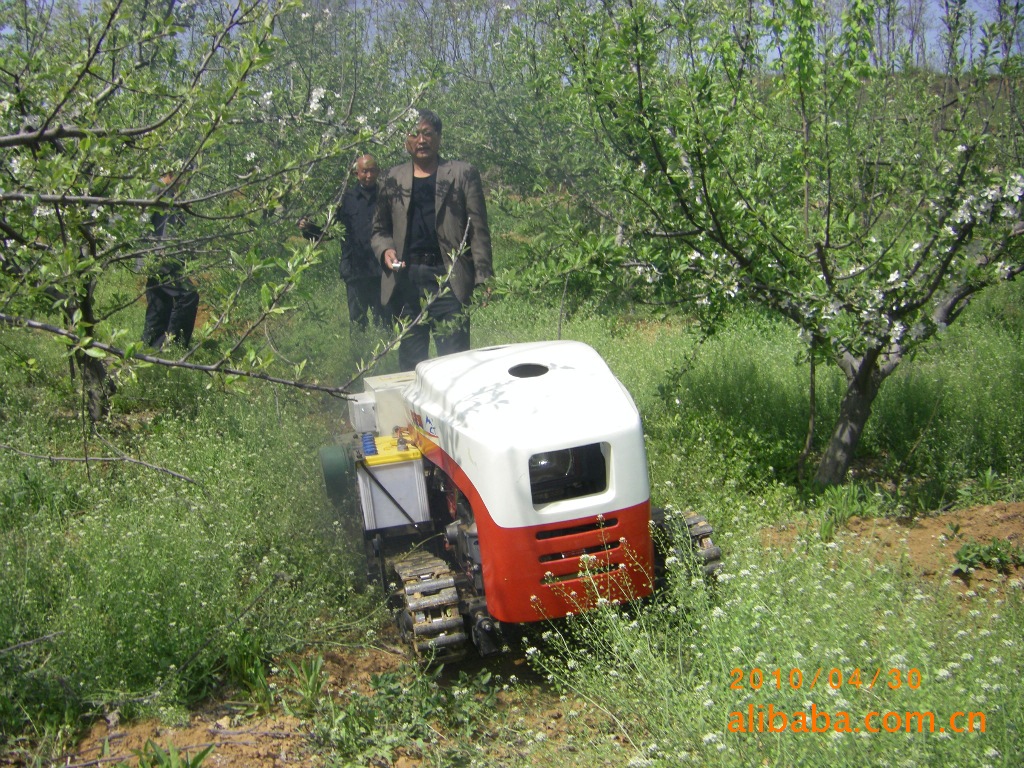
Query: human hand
(309,230)
(391,259)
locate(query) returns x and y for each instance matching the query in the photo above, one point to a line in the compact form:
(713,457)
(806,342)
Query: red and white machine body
(522,469)
(513,426)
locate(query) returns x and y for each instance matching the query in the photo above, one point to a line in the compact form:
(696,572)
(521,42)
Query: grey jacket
(459,200)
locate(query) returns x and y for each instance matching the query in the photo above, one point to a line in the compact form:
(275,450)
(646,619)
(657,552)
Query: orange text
(763,718)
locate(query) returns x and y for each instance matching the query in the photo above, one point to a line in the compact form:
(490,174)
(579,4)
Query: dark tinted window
(567,474)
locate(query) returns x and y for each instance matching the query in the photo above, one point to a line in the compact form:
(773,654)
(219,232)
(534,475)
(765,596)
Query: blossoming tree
(795,157)
(99,101)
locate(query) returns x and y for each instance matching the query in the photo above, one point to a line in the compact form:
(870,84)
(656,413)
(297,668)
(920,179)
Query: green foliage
(771,157)
(206,95)
(93,556)
(246,668)
(840,503)
(152,755)
(751,380)
(941,431)
(775,156)
(133,587)
(1000,554)
(788,629)
(943,418)
(308,687)
(408,706)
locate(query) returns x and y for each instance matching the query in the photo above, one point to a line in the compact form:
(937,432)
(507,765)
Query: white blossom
(314,99)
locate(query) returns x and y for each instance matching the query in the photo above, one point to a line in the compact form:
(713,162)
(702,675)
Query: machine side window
(568,473)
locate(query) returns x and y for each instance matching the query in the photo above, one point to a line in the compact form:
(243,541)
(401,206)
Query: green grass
(146,586)
(675,673)
(140,589)
(952,414)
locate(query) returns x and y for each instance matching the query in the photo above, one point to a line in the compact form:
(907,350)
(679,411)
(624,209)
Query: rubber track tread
(430,608)
(700,531)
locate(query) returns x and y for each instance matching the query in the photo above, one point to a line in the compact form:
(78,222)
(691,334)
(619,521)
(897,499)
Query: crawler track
(426,606)
(707,552)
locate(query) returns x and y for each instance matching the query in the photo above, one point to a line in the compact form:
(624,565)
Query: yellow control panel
(390,452)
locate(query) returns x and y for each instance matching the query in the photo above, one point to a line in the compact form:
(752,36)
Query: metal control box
(391,486)
(362,412)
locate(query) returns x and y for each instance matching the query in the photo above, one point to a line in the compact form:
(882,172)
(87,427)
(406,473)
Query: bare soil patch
(532,719)
(240,738)
(927,545)
(262,742)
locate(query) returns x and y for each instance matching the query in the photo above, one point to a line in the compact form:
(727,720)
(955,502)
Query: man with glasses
(431,236)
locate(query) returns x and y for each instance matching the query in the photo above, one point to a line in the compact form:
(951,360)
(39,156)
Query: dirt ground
(239,739)
(926,546)
(242,740)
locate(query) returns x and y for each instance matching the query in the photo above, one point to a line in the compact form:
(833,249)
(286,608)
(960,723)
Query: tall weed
(131,586)
(822,627)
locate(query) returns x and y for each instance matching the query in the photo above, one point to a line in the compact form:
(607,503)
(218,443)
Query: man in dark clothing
(171,299)
(431,221)
(359,268)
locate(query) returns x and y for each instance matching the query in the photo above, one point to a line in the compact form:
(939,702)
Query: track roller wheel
(427,608)
(699,531)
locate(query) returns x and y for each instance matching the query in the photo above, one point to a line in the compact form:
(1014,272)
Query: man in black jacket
(359,267)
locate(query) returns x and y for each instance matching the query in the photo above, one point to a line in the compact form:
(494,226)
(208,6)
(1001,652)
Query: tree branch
(218,368)
(101,460)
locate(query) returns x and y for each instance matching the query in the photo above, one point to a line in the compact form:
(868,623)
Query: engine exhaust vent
(528,370)
(579,552)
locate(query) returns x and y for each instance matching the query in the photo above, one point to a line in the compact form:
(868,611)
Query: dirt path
(241,739)
(244,740)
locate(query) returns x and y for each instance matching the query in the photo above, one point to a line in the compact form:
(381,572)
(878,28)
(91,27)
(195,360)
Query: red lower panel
(549,571)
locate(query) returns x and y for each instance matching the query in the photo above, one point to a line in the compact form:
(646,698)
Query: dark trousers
(363,294)
(171,306)
(446,318)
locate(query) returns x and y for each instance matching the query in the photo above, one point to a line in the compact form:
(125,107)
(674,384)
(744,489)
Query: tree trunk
(97,383)
(862,387)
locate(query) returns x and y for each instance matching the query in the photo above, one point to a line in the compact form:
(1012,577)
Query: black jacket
(356,214)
